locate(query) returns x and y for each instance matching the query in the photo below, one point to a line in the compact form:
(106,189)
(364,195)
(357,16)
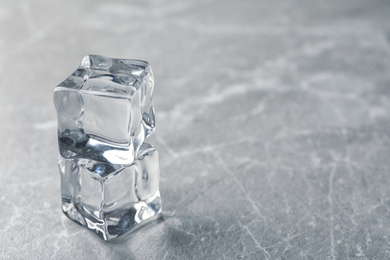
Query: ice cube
(105,109)
(109,198)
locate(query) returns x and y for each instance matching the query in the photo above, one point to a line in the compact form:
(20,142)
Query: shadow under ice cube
(111,199)
(105,109)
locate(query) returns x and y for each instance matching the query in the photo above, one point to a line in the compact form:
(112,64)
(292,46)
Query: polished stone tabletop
(273,126)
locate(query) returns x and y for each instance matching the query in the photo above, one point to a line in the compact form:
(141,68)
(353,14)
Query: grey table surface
(273,126)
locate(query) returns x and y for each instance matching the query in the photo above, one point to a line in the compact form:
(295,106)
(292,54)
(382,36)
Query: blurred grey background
(272,126)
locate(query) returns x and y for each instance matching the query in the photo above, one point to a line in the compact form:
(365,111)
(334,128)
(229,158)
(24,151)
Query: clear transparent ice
(105,109)
(109,176)
(109,198)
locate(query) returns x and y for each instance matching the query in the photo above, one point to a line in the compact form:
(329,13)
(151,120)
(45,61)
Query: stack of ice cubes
(109,175)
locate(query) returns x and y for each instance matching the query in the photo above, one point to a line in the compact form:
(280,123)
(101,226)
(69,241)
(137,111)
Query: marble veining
(273,126)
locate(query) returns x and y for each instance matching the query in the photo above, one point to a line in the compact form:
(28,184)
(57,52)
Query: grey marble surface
(272,126)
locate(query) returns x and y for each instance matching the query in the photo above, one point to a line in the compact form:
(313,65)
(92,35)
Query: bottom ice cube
(111,199)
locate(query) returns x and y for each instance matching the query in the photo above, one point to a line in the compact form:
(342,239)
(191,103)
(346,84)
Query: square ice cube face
(111,199)
(105,109)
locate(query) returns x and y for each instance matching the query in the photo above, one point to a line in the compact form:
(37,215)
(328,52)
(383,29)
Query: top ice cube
(105,109)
